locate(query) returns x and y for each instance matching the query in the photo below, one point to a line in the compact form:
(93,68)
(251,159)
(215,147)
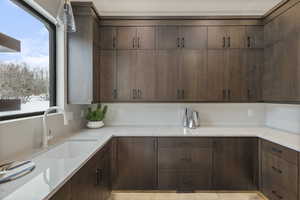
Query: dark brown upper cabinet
(83,57)
(255,37)
(182,37)
(254,68)
(167,76)
(108,38)
(136,38)
(226,37)
(193,75)
(226,75)
(108,75)
(135,75)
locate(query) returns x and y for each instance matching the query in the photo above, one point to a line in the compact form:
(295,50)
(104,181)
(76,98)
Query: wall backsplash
(283,116)
(211,114)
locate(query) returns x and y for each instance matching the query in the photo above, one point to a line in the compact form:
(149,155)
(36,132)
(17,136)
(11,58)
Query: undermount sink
(71,149)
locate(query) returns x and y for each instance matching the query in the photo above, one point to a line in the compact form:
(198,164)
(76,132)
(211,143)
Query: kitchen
(150,100)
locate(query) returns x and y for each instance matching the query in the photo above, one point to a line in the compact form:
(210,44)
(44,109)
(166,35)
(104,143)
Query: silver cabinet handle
(229,43)
(224,42)
(138,42)
(114,43)
(182,94)
(248,42)
(133,43)
(178,94)
(182,42)
(178,42)
(134,93)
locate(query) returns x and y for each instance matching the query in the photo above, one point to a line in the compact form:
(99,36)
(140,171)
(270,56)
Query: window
(27,77)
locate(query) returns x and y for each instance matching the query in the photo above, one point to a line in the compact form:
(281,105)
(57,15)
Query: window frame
(52,59)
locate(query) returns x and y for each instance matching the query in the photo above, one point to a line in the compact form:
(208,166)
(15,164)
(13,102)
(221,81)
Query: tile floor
(185,196)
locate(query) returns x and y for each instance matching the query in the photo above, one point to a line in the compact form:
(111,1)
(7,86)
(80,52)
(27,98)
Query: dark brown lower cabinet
(135,163)
(91,182)
(235,164)
(279,172)
(184,164)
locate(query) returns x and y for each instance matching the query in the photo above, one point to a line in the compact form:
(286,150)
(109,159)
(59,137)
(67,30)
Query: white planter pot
(95,124)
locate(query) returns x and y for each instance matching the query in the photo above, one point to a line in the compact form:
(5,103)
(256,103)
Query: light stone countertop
(60,162)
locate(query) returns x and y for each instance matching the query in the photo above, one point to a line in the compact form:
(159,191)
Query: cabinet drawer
(184,154)
(281,152)
(280,174)
(195,181)
(274,192)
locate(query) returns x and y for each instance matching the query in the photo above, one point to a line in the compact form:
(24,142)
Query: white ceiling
(183,7)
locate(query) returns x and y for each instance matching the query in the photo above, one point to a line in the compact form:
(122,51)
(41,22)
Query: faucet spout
(46,135)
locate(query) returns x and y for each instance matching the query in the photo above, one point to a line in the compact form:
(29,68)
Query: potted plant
(96,116)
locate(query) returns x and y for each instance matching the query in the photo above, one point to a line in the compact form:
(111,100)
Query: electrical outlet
(82,113)
(70,116)
(250,113)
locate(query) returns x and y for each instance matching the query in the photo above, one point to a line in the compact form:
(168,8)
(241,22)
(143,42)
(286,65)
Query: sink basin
(71,149)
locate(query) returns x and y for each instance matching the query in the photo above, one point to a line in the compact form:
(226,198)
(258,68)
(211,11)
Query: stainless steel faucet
(46,132)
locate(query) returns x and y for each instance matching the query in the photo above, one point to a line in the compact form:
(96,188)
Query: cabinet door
(146,38)
(194,37)
(255,37)
(254,63)
(217,37)
(85,183)
(168,37)
(193,75)
(144,71)
(108,38)
(279,177)
(108,75)
(216,75)
(236,75)
(105,176)
(126,60)
(236,37)
(167,75)
(63,193)
(235,164)
(126,38)
(136,164)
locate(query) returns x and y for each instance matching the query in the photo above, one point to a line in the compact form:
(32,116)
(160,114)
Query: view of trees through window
(24,75)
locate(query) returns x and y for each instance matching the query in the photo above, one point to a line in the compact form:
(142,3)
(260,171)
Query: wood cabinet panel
(254,65)
(181,166)
(193,37)
(167,75)
(280,151)
(108,38)
(255,37)
(236,36)
(235,164)
(168,37)
(216,75)
(108,73)
(126,60)
(144,71)
(193,75)
(136,156)
(236,83)
(64,193)
(279,176)
(126,38)
(145,38)
(217,37)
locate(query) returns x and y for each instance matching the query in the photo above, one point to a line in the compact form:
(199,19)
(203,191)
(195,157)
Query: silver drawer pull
(277,170)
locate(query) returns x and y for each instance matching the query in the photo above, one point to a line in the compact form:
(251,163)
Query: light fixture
(65,16)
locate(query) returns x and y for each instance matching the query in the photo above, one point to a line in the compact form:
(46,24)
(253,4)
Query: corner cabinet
(91,182)
(84,56)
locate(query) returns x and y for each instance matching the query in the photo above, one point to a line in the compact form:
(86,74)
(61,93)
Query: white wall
(211,114)
(283,116)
